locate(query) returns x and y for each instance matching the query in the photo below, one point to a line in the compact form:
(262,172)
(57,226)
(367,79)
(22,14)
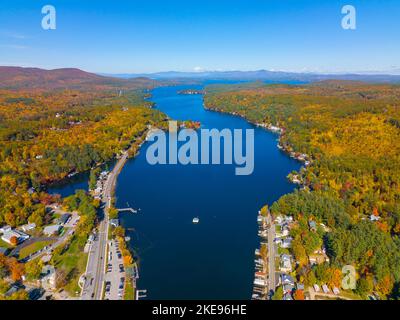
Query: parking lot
(115,273)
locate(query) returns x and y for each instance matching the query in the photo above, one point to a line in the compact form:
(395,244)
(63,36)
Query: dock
(127,210)
(262,263)
(140,294)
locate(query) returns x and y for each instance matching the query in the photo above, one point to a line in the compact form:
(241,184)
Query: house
(374,218)
(64,218)
(287,297)
(12,290)
(260,282)
(312,225)
(336,291)
(114,222)
(19,235)
(28,227)
(4,251)
(279,219)
(288,288)
(287,279)
(316,288)
(287,243)
(285,265)
(325,288)
(318,257)
(284,230)
(289,219)
(52,230)
(5,229)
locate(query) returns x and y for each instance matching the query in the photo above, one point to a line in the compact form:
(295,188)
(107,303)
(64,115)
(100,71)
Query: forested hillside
(16,78)
(47,134)
(351,131)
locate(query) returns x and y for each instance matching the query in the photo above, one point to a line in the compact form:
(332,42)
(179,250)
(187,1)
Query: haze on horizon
(155,36)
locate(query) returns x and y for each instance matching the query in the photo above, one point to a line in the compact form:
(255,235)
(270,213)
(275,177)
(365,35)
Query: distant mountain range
(263,75)
(69,78)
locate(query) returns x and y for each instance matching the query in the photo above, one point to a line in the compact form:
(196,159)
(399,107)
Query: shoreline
(260,280)
(288,150)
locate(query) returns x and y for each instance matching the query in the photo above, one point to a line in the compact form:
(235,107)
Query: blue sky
(148,36)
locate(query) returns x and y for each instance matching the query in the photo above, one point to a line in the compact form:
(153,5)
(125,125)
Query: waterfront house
(260,282)
(325,288)
(336,291)
(114,222)
(316,288)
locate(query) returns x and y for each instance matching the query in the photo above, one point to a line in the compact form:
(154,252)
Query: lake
(215,258)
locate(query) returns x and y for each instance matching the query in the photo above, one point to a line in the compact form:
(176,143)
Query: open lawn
(129,290)
(5,244)
(72,262)
(32,248)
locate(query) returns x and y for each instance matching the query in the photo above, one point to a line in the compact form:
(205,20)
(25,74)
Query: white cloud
(11,34)
(13,46)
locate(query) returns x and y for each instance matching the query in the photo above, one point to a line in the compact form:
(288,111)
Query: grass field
(5,244)
(26,251)
(129,290)
(73,263)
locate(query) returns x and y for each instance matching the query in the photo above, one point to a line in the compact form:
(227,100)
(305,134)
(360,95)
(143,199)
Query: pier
(128,210)
(140,294)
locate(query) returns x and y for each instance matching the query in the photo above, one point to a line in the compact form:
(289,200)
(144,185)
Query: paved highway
(95,271)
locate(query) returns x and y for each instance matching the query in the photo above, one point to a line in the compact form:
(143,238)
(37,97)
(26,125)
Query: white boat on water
(196,220)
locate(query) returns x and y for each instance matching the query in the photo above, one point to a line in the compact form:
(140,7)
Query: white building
(286,264)
(19,235)
(28,227)
(51,230)
(5,229)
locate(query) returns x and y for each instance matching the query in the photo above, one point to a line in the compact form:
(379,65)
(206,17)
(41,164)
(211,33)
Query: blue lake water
(215,258)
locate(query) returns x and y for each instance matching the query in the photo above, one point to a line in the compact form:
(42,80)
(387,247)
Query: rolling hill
(15,78)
